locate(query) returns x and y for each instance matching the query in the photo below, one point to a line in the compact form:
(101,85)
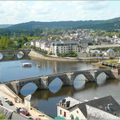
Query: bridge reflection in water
(55,87)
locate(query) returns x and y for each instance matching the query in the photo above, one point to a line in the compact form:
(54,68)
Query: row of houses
(57,47)
(109,50)
(105,108)
(107,40)
(61,47)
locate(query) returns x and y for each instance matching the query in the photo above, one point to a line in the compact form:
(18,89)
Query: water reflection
(13,70)
(55,85)
(46,94)
(79,82)
(101,78)
(58,67)
(45,100)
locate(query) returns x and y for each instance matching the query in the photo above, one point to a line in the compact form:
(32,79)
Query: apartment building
(60,47)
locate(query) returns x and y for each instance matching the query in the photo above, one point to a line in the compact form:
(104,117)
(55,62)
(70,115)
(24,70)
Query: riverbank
(37,55)
(110,63)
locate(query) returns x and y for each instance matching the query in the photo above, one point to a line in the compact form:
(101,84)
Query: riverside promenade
(37,55)
(6,94)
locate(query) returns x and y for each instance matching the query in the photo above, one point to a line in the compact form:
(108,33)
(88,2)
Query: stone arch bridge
(14,54)
(42,82)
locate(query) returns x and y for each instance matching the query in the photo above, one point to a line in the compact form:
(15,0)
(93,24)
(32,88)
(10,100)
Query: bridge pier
(116,73)
(14,86)
(69,75)
(44,83)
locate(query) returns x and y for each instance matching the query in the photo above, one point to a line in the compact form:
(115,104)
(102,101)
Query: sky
(13,12)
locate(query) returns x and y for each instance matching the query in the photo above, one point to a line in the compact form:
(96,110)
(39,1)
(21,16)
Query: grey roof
(102,104)
(65,42)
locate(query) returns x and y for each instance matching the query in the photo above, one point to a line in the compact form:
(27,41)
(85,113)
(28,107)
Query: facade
(42,44)
(96,109)
(60,47)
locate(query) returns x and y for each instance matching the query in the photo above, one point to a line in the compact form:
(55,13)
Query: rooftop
(68,102)
(107,104)
(65,42)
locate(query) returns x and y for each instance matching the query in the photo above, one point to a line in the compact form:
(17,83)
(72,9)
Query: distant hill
(111,24)
(4,25)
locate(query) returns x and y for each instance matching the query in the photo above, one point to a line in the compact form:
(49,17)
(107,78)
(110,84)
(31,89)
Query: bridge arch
(108,73)
(1,56)
(28,88)
(23,84)
(16,86)
(89,77)
(79,81)
(55,85)
(63,77)
(101,78)
(20,54)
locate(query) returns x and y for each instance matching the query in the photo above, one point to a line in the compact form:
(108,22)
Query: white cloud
(22,11)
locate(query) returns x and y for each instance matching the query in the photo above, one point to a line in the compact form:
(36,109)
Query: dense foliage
(14,42)
(69,54)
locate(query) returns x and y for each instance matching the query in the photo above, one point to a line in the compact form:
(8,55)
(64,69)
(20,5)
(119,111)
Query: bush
(2,117)
(70,54)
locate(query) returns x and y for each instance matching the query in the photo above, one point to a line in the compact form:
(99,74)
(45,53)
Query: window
(76,118)
(72,117)
(60,112)
(64,114)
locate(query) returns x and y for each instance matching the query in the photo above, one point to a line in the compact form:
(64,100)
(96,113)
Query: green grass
(112,61)
(2,117)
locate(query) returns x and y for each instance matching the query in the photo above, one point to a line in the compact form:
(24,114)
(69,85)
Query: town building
(60,47)
(97,109)
(41,44)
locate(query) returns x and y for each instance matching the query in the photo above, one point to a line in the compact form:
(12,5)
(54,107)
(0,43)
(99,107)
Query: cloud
(23,11)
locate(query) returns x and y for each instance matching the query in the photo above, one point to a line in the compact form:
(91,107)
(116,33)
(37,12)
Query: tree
(4,41)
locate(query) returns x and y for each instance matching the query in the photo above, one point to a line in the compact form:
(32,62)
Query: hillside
(112,24)
(4,25)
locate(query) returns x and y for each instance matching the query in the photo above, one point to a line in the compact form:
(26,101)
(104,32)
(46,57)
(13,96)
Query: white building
(60,47)
(42,44)
(67,108)
(38,44)
(97,109)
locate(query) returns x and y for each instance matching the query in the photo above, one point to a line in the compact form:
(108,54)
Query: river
(45,100)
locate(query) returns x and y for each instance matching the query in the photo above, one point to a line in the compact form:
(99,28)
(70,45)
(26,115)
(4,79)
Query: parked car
(1,103)
(24,112)
(9,102)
